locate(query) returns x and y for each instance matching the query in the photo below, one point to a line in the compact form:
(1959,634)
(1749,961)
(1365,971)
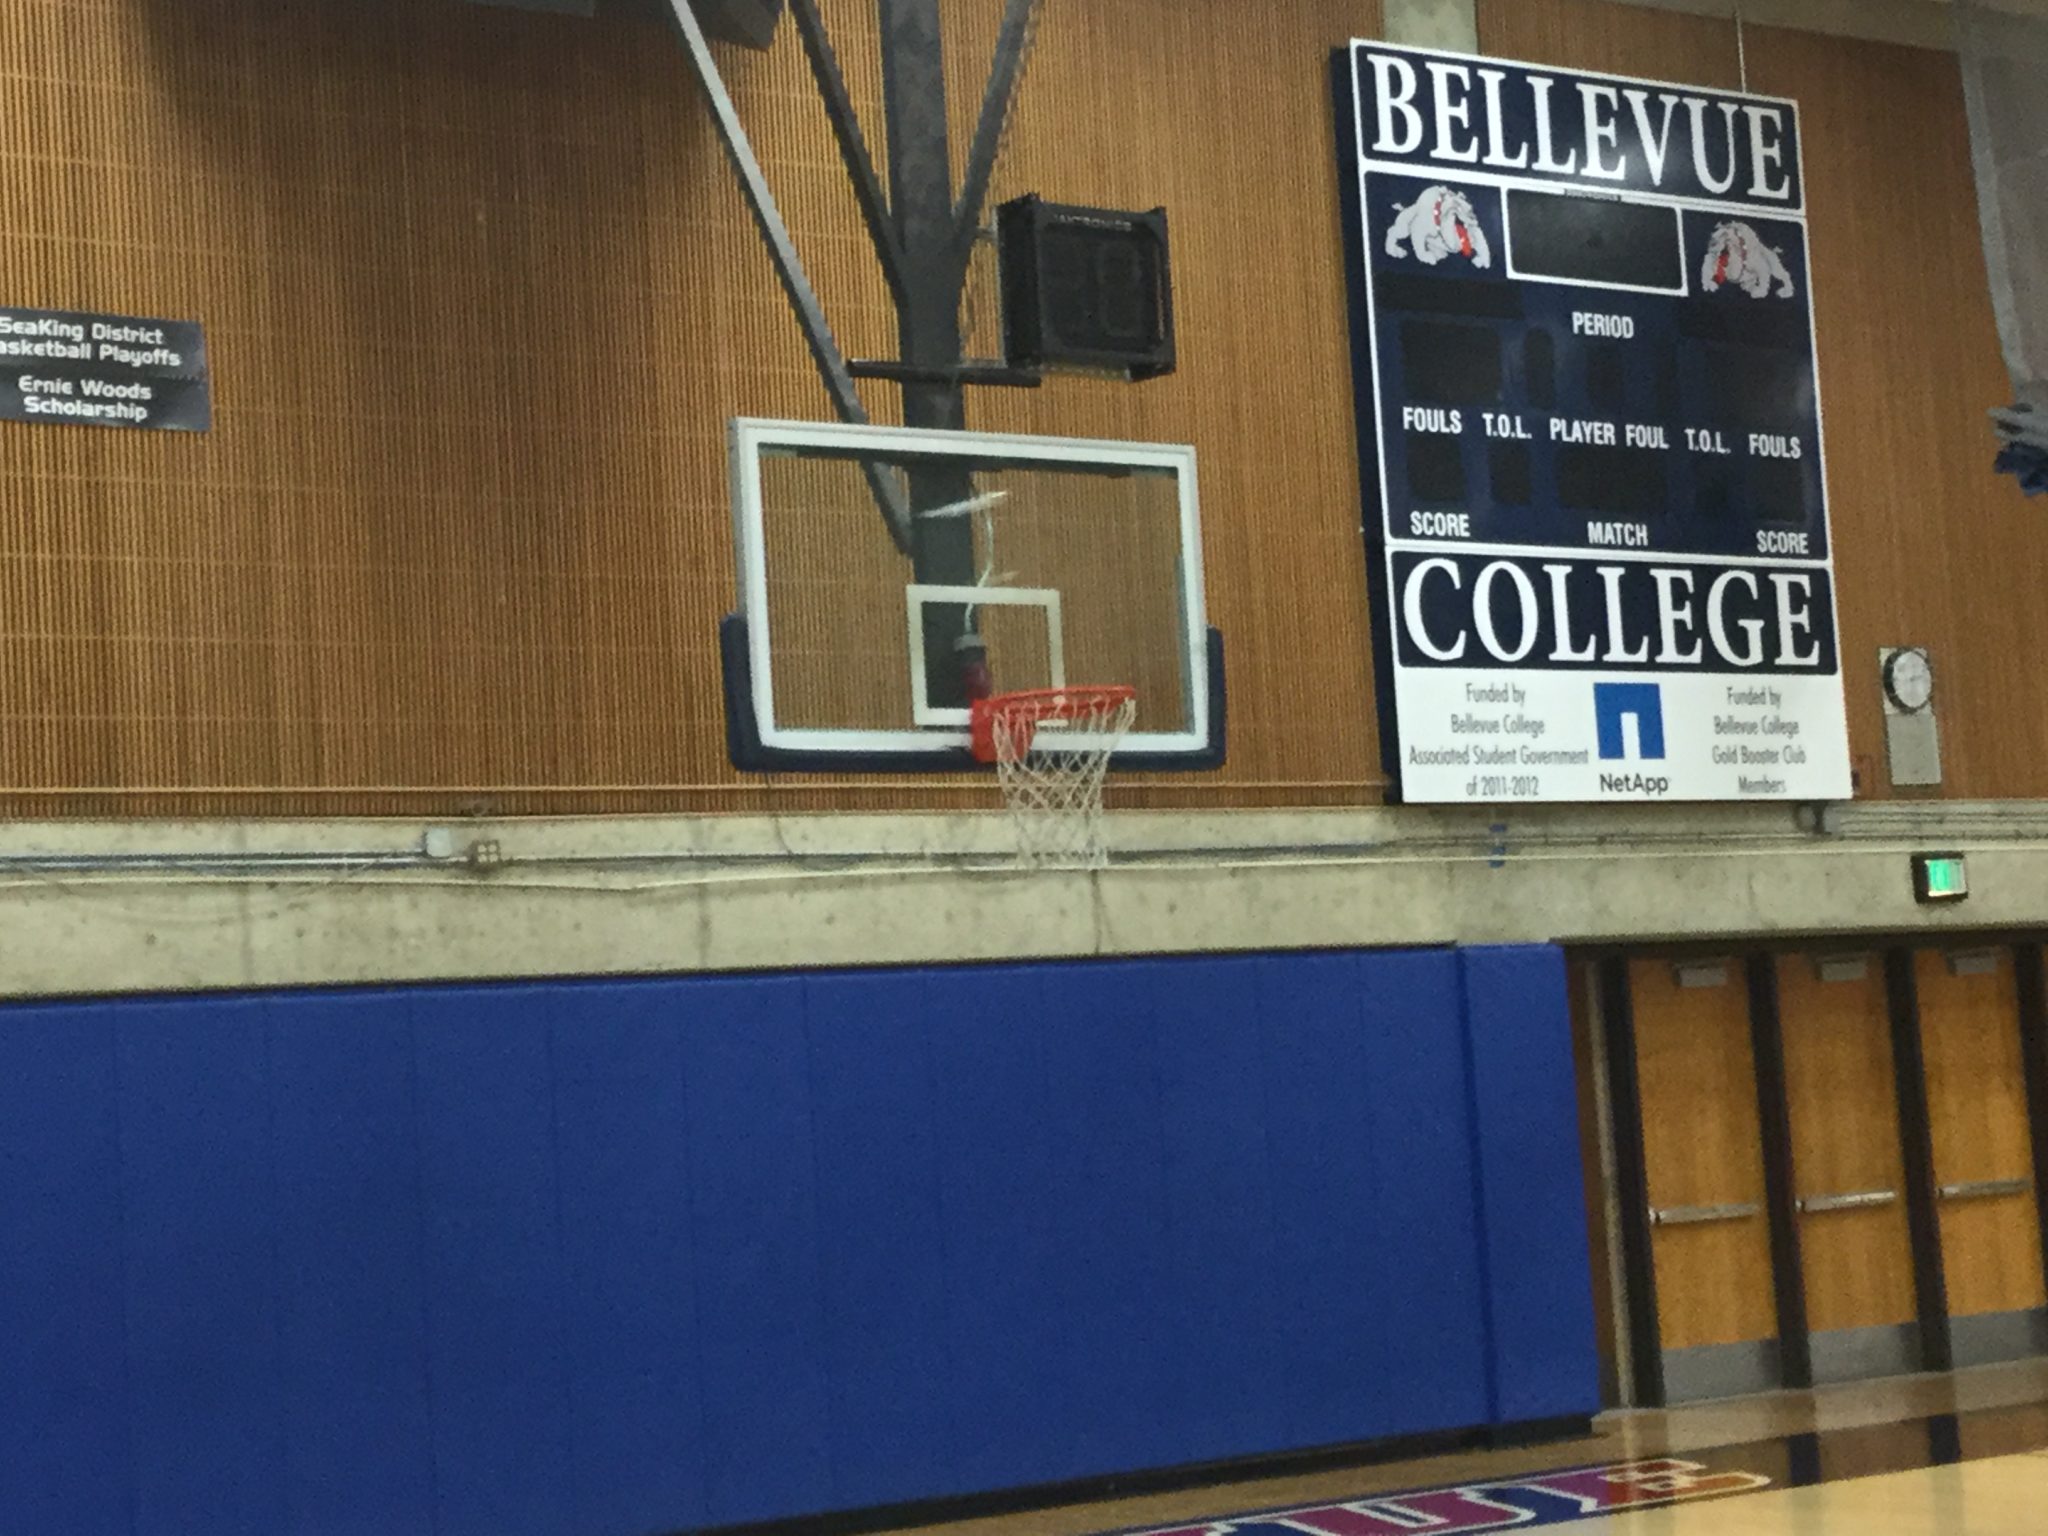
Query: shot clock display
(1591,424)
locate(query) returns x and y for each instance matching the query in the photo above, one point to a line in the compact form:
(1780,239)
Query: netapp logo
(1630,720)
(1633,784)
(1455,609)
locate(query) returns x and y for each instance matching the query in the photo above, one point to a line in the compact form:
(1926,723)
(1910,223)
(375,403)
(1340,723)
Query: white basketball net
(1052,771)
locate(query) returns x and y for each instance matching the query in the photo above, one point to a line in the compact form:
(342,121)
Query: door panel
(1983,1152)
(1845,1141)
(1702,1149)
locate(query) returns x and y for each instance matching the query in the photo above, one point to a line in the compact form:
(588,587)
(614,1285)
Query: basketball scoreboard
(1590,416)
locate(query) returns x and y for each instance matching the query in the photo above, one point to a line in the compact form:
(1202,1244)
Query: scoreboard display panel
(1590,423)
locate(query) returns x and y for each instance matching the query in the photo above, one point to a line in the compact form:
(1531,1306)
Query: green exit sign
(1940,877)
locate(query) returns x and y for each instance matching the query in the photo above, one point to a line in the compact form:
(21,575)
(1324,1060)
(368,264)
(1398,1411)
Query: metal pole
(928,326)
(924,239)
(789,267)
(853,149)
(1012,46)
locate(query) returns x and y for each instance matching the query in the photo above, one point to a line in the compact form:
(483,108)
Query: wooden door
(1847,1167)
(1702,1150)
(1983,1154)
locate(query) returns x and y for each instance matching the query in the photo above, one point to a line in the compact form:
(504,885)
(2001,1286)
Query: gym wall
(480,296)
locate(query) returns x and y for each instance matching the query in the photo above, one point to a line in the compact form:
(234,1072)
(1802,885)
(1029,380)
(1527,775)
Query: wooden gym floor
(1956,1455)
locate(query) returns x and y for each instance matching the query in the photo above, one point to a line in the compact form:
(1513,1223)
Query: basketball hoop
(1051,748)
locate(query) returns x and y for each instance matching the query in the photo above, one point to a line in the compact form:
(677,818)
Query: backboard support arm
(853,148)
(789,267)
(1013,46)
(924,235)
(928,329)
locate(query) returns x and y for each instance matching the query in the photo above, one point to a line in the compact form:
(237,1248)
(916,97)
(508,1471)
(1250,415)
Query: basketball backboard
(1037,562)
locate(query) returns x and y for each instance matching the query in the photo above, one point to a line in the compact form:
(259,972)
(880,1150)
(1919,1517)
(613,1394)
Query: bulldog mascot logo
(1737,254)
(1440,225)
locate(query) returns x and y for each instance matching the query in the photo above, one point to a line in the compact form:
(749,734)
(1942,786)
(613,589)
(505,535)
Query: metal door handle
(1859,1200)
(1985,1189)
(1695,1215)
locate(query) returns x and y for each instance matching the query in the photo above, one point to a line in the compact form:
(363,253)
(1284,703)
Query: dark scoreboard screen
(1587,348)
(1582,325)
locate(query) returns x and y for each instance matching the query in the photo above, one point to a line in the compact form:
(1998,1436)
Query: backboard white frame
(750,437)
(917,594)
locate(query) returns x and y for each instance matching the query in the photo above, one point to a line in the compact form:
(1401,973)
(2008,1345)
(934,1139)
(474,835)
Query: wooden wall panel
(1620,39)
(1931,547)
(1264,389)
(480,295)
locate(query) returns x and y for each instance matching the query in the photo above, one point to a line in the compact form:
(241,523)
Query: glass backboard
(889,575)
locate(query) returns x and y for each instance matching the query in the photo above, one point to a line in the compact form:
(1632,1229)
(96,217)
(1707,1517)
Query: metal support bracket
(996,375)
(922,234)
(789,267)
(1013,46)
(853,147)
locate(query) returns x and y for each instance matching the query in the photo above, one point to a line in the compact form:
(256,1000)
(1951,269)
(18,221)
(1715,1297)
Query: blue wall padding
(1531,1186)
(616,1258)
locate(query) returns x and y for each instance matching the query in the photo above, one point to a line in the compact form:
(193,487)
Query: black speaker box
(1086,288)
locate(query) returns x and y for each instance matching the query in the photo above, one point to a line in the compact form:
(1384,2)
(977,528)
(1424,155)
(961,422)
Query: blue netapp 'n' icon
(1615,704)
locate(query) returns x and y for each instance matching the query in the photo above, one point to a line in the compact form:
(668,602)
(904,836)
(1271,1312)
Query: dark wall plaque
(66,368)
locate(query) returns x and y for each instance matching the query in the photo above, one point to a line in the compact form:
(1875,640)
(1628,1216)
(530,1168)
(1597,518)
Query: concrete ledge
(124,907)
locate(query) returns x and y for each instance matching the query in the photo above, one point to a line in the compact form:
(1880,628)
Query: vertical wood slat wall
(480,297)
(1931,548)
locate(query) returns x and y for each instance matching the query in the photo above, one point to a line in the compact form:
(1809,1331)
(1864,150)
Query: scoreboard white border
(1363,166)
